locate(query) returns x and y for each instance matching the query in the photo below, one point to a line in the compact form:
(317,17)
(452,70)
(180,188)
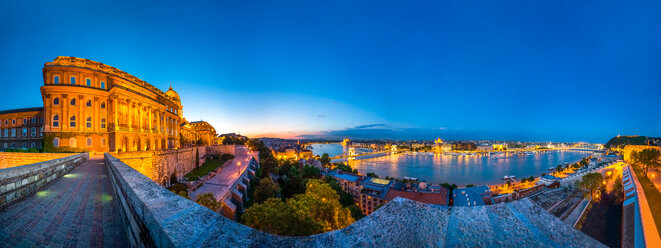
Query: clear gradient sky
(515,70)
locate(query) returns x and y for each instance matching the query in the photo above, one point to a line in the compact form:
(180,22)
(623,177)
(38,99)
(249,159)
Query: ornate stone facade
(90,106)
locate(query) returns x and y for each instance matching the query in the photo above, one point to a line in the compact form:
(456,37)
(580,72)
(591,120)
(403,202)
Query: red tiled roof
(436,198)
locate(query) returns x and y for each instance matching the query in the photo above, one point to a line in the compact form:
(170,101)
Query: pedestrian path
(76,210)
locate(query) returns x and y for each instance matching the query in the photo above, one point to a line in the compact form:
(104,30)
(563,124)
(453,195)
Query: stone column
(80,121)
(140,116)
(115,113)
(130,114)
(96,120)
(64,120)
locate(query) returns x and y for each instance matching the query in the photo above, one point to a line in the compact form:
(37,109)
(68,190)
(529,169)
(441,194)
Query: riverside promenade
(76,210)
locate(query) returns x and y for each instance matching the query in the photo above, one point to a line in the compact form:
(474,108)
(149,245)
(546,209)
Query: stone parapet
(156,216)
(19,182)
(13,159)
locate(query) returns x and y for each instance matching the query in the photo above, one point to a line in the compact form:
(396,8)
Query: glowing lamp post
(238,168)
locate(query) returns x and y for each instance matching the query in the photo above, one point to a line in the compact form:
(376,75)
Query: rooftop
(11,111)
(470,196)
(346,176)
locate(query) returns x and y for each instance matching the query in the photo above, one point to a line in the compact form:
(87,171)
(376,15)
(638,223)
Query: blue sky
(516,70)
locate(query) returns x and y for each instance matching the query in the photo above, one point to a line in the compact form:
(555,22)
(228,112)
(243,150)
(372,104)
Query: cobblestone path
(76,210)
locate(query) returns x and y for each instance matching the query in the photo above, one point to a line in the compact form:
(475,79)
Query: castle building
(90,106)
(21,128)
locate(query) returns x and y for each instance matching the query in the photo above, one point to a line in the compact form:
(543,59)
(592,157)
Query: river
(460,170)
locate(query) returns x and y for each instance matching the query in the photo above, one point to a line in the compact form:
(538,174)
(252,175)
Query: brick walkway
(76,210)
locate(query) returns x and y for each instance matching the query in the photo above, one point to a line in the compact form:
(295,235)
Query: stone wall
(19,182)
(13,159)
(164,165)
(626,152)
(156,216)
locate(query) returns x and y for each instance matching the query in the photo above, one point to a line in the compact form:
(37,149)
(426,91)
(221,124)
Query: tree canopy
(647,158)
(591,182)
(317,210)
(267,188)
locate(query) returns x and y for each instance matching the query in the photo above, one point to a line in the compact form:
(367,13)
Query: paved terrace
(221,184)
(76,210)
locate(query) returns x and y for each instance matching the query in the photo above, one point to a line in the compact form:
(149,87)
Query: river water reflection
(460,170)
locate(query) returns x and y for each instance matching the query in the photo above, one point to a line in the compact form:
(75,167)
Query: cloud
(371,126)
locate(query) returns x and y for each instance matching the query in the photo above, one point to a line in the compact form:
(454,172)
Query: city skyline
(367,71)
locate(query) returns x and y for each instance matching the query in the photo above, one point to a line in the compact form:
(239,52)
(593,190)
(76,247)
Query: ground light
(43,193)
(71,175)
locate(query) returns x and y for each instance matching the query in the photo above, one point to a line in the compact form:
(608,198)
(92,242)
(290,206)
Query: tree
(310,172)
(293,184)
(648,158)
(208,201)
(470,185)
(325,159)
(372,174)
(267,188)
(558,168)
(591,182)
(315,211)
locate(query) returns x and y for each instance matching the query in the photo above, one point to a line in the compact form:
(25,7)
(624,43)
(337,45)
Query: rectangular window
(73,80)
(89,142)
(103,142)
(34,119)
(88,82)
(6,132)
(56,80)
(25,132)
(103,85)
(33,132)
(13,132)
(25,121)
(13,122)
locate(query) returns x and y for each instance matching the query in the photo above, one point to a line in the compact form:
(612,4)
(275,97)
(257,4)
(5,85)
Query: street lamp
(238,168)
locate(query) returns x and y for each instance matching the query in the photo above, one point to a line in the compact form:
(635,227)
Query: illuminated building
(21,128)
(90,106)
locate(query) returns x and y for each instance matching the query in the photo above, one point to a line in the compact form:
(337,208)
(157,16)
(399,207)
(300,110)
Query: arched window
(103,123)
(103,105)
(56,120)
(56,142)
(89,142)
(73,101)
(88,123)
(72,142)
(56,101)
(89,103)
(72,121)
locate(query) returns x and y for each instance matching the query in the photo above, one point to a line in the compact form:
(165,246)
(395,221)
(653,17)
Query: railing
(19,182)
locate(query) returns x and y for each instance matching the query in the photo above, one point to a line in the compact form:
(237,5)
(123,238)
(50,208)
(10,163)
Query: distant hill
(621,141)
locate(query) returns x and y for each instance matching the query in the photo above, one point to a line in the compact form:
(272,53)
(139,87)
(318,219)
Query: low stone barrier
(19,182)
(154,216)
(13,159)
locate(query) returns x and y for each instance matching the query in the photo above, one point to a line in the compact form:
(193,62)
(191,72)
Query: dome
(173,94)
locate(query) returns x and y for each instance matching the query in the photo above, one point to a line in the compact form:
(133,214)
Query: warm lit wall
(626,152)
(13,159)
